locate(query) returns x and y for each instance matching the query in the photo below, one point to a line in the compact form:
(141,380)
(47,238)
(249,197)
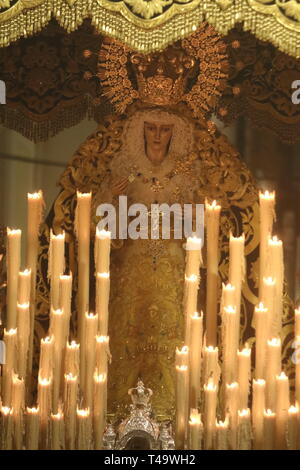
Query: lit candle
(18,399)
(57,325)
(44,403)
(102,354)
(84,429)
(269,430)
(99,415)
(195,430)
(244,429)
(182,356)
(232,400)
(276,269)
(293,427)
(72,358)
(193,256)
(46,357)
(32,428)
(272,370)
(24,283)
(261,334)
(244,375)
(228,295)
(13,267)
(70,400)
(222,428)
(267,215)
(211,368)
(23,334)
(102,250)
(190,300)
(57,431)
(82,229)
(6,435)
(10,340)
(35,206)
(102,301)
(237,268)
(195,349)
(268,299)
(282,407)
(258,406)
(230,336)
(56,265)
(181,405)
(65,291)
(90,356)
(212,214)
(210,404)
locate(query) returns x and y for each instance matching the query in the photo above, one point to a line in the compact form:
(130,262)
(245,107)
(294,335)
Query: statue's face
(157,139)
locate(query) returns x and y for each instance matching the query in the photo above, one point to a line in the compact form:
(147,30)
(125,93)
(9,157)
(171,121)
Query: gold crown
(160,90)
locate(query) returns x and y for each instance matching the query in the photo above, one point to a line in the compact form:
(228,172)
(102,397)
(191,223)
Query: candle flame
(195,417)
(58,416)
(269,413)
(294,409)
(47,340)
(99,378)
(70,377)
(191,278)
(36,195)
(197,316)
(228,287)
(232,386)
(269,281)
(183,350)
(246,351)
(223,424)
(297,311)
(210,386)
(213,206)
(267,195)
(66,277)
(182,368)
(259,382)
(24,306)
(274,342)
(25,273)
(84,195)
(6,410)
(83,413)
(103,275)
(282,376)
(261,308)
(11,332)
(240,239)
(102,339)
(44,382)
(73,345)
(244,413)
(32,411)
(60,236)
(211,350)
(103,234)
(12,232)
(230,309)
(91,316)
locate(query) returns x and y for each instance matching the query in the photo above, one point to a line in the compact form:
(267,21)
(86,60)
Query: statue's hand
(120,186)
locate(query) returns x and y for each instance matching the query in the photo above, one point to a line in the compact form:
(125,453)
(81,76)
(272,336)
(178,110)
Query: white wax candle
(237,268)
(46,357)
(228,295)
(6,436)
(211,368)
(230,336)
(10,340)
(282,407)
(269,430)
(32,428)
(191,286)
(272,370)
(23,334)
(244,429)
(293,427)
(99,415)
(222,429)
(13,267)
(212,214)
(44,403)
(181,406)
(195,349)
(244,375)
(90,357)
(210,404)
(276,270)
(182,356)
(70,400)
(267,215)
(72,358)
(102,354)
(84,434)
(258,406)
(195,430)
(102,301)
(56,265)
(18,400)
(193,256)
(232,400)
(57,330)
(268,298)
(261,335)
(24,284)
(102,251)
(35,206)
(65,295)
(57,431)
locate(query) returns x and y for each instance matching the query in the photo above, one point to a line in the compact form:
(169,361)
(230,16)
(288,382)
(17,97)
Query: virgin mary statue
(160,151)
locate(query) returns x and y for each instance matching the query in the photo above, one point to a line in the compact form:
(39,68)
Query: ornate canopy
(148,25)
